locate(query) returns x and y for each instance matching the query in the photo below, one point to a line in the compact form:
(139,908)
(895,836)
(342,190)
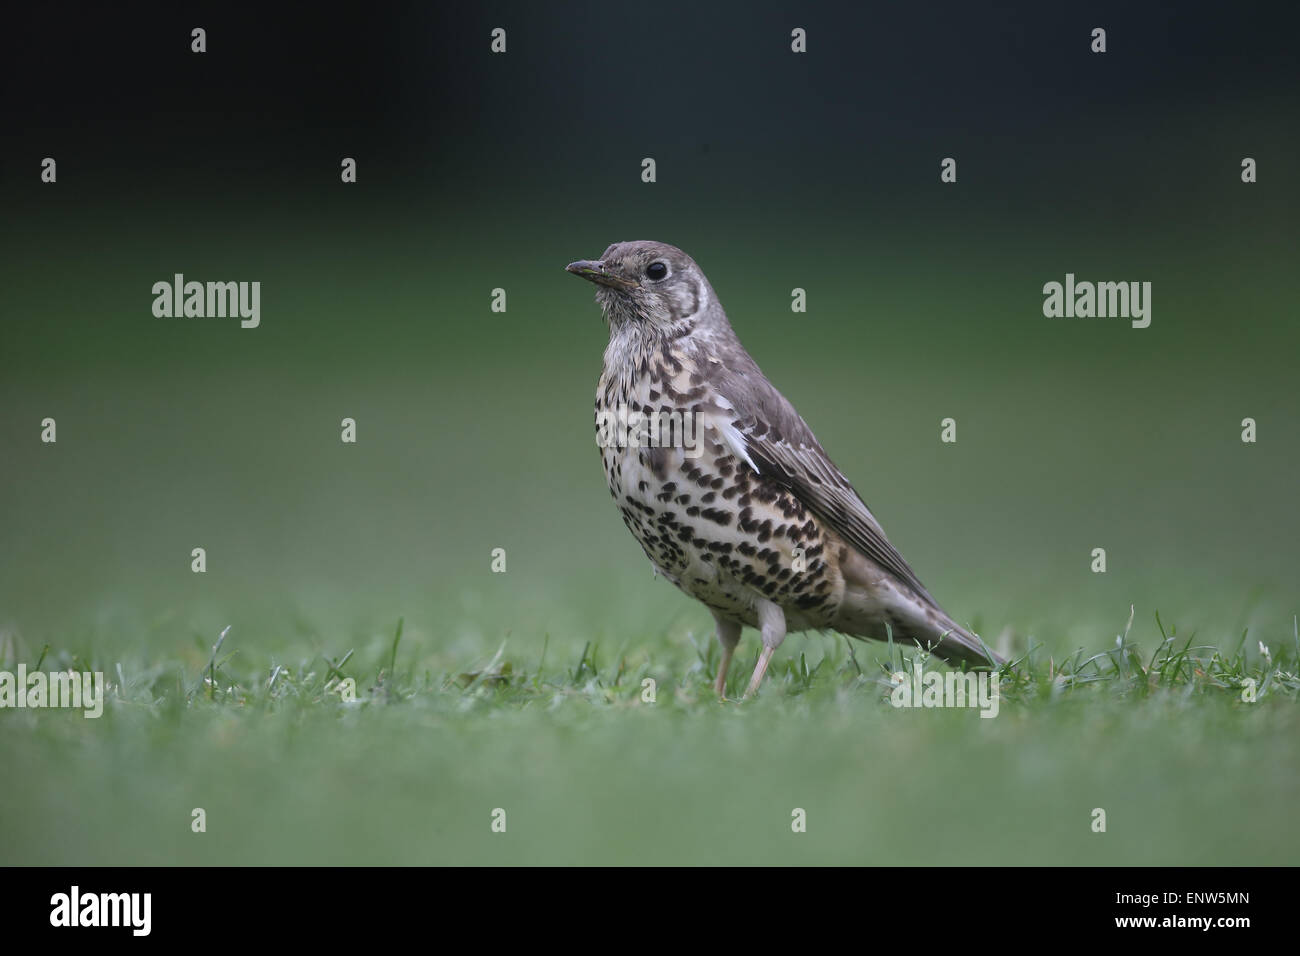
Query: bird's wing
(766,432)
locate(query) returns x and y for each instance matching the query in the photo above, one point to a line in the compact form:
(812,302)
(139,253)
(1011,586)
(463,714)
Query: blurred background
(775,171)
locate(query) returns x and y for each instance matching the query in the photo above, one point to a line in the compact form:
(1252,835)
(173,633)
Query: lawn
(288,769)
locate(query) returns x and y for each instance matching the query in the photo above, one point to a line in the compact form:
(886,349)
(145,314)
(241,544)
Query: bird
(733,499)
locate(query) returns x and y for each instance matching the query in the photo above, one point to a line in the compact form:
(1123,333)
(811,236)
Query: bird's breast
(707,520)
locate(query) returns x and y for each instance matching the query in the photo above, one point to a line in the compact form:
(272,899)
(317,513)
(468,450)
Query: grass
(381,753)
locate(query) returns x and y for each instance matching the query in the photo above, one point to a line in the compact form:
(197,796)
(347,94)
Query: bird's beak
(595,271)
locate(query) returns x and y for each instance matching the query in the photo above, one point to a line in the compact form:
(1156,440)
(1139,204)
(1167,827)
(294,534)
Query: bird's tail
(956,644)
(887,611)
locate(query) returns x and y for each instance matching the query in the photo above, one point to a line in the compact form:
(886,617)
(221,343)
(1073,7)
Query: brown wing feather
(781,446)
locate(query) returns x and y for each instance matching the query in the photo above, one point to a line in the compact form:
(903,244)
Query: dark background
(775,170)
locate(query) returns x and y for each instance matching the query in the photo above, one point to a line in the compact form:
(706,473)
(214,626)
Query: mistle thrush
(752,518)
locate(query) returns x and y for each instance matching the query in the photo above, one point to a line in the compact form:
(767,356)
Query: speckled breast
(710,524)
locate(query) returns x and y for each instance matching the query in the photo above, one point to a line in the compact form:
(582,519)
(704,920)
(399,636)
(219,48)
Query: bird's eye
(656,270)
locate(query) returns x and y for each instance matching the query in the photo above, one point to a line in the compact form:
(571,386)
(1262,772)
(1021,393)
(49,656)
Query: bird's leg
(771,619)
(728,637)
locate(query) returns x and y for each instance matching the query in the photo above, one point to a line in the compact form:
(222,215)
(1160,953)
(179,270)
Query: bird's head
(651,283)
